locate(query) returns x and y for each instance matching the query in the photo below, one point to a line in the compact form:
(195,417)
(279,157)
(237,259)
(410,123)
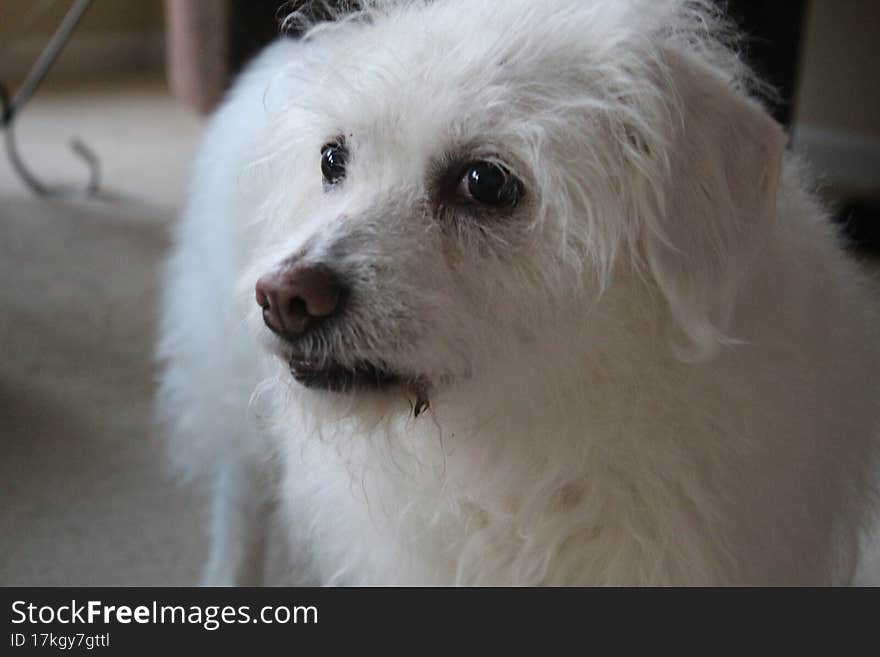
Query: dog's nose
(293,297)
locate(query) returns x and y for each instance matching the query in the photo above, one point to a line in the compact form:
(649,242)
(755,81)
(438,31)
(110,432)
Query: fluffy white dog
(540,299)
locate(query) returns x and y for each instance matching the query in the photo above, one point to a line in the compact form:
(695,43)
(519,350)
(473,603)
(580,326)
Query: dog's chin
(333,376)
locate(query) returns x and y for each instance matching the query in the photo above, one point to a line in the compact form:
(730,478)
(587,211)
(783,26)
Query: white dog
(539,300)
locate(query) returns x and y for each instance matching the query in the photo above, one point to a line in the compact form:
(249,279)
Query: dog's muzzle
(299,301)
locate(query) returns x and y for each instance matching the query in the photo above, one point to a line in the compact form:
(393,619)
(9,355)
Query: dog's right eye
(333,160)
(491,185)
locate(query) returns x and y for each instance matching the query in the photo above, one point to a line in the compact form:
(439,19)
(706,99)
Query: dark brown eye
(333,160)
(492,185)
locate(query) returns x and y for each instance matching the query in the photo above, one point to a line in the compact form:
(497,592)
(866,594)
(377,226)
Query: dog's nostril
(317,287)
(297,308)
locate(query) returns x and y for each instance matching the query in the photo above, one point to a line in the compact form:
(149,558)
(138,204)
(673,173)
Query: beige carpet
(84,495)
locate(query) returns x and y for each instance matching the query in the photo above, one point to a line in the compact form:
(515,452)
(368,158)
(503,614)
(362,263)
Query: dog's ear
(725,158)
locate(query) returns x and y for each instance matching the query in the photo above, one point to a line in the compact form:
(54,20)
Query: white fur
(659,369)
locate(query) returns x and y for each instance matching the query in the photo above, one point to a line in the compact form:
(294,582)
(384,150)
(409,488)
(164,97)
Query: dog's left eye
(333,161)
(491,184)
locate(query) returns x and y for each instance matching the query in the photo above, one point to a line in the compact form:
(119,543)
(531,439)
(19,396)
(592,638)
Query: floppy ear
(725,158)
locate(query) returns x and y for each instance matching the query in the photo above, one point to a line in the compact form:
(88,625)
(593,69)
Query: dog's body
(585,324)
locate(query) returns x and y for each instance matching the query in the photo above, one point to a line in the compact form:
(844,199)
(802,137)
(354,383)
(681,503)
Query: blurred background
(85,498)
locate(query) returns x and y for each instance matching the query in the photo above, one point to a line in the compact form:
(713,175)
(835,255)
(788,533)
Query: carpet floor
(85,498)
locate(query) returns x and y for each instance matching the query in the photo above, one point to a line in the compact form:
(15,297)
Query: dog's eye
(333,160)
(491,184)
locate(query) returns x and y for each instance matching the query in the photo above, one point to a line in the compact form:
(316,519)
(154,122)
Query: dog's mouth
(331,375)
(336,377)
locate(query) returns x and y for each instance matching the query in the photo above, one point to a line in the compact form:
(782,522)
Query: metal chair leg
(11,107)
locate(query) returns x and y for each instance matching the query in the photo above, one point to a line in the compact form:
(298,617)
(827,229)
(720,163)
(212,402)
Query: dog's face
(461,180)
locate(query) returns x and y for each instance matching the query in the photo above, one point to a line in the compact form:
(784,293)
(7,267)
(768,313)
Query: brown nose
(293,297)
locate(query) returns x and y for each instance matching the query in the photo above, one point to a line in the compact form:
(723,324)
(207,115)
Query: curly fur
(658,369)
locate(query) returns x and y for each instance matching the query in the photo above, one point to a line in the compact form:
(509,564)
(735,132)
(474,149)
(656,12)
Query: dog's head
(456,184)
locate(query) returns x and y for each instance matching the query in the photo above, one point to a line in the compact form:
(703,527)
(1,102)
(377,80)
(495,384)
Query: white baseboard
(87,54)
(848,160)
